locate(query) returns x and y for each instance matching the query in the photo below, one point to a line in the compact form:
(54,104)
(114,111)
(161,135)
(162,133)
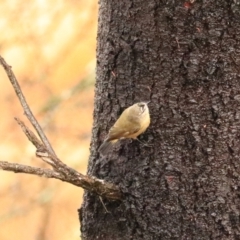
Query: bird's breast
(144,123)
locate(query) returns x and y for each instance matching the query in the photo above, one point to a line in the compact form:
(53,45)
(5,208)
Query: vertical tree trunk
(184,57)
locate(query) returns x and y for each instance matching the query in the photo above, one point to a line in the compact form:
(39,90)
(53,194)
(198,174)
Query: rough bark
(184,57)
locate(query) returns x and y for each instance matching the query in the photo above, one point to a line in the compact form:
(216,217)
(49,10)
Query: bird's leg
(145,144)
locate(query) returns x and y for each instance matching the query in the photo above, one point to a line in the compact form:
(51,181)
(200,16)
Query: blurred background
(51,47)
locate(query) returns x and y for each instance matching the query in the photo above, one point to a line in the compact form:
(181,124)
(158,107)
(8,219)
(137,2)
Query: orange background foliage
(51,47)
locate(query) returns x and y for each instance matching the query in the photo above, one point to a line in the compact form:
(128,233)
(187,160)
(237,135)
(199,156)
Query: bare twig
(25,106)
(100,187)
(20,168)
(44,150)
(103,204)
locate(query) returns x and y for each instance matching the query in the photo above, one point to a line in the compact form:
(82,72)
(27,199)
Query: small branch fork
(45,151)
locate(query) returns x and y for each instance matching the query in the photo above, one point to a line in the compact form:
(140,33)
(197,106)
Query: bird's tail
(105,147)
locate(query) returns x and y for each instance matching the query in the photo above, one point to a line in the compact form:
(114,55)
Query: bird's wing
(116,133)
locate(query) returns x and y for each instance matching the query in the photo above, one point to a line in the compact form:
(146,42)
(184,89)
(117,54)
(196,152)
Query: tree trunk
(185,58)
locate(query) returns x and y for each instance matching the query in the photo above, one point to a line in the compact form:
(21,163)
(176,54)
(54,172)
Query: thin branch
(20,168)
(25,106)
(44,151)
(68,174)
(100,187)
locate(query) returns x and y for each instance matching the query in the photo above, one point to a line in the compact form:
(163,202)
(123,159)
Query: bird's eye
(142,107)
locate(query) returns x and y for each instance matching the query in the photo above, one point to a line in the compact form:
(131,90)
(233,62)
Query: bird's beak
(147,102)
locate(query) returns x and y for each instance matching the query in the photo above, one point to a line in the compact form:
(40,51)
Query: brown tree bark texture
(185,58)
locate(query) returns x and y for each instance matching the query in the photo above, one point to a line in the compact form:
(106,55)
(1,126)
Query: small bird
(133,121)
